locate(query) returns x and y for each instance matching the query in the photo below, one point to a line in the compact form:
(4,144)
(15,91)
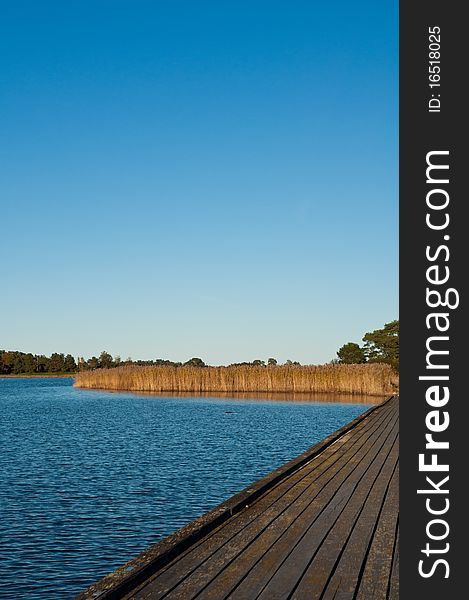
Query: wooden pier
(322,527)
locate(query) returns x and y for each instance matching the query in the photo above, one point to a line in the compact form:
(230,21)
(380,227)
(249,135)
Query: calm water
(89,479)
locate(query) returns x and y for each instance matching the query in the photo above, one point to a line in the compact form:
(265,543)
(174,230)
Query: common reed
(370,379)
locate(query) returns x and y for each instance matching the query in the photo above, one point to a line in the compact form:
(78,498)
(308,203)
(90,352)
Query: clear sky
(214,179)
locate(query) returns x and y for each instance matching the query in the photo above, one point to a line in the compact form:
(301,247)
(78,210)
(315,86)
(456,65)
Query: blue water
(89,478)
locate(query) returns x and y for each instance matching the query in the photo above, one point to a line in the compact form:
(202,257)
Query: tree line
(381,345)
(19,363)
(106,361)
(13,362)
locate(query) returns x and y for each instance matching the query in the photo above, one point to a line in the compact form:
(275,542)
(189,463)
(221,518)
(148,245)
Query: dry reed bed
(370,379)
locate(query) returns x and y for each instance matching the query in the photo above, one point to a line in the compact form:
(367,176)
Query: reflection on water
(92,478)
(274,396)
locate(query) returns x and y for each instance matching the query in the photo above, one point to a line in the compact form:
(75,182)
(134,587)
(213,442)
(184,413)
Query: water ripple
(90,479)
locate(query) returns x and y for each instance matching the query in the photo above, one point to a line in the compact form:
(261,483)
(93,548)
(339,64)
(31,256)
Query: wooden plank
(393,593)
(369,493)
(340,562)
(229,541)
(321,541)
(347,572)
(374,581)
(218,577)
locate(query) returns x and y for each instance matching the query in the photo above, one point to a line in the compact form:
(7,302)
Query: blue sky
(213,179)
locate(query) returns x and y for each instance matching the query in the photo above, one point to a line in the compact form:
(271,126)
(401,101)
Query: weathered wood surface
(324,526)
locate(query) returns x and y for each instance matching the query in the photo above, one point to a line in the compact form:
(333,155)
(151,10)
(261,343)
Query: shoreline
(39,376)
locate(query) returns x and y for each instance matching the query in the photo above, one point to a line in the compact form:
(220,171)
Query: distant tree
(93,363)
(164,362)
(42,364)
(56,363)
(258,363)
(351,353)
(6,362)
(17,363)
(195,362)
(241,364)
(82,364)
(29,363)
(105,360)
(382,345)
(70,365)
(271,362)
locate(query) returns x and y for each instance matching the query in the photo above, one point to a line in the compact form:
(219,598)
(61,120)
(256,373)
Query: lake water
(89,478)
